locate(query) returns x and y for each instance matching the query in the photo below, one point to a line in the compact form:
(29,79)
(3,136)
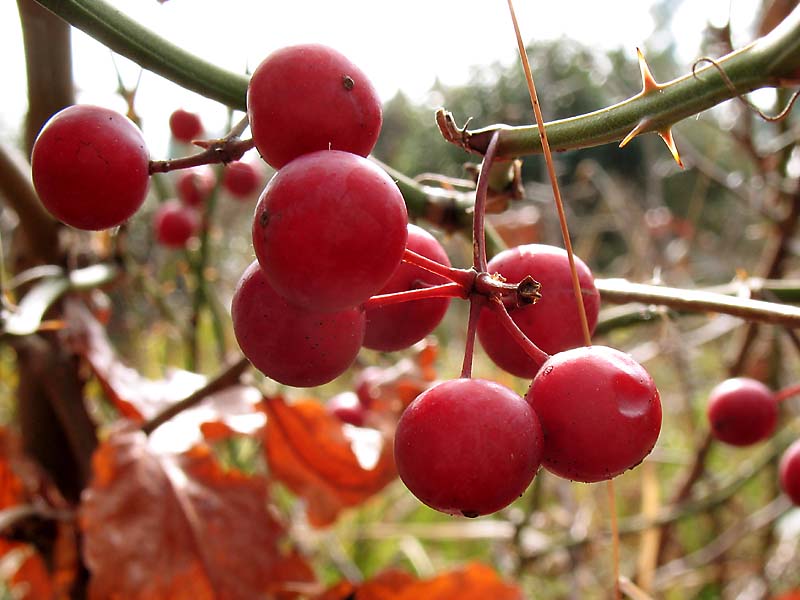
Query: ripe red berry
(552,323)
(742,411)
(346,407)
(468,446)
(194,186)
(600,413)
(292,345)
(174,223)
(185,126)
(242,179)
(329,230)
(401,325)
(309,97)
(90,167)
(789,472)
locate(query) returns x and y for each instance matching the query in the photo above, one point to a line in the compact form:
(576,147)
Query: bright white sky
(401,46)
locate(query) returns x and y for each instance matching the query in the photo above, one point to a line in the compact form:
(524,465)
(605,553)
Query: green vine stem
(114,29)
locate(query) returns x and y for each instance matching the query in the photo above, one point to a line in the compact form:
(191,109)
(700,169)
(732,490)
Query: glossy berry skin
(742,411)
(346,407)
(194,186)
(242,179)
(401,325)
(174,223)
(185,126)
(553,322)
(600,413)
(329,230)
(789,472)
(468,446)
(292,345)
(90,167)
(310,97)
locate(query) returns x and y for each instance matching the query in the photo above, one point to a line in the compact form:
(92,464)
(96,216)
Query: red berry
(185,126)
(742,411)
(242,179)
(292,345)
(329,230)
(194,186)
(789,472)
(468,446)
(552,323)
(309,97)
(346,407)
(90,167)
(600,413)
(174,223)
(401,325)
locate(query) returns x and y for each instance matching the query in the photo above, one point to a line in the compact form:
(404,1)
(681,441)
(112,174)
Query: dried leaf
(176,526)
(475,581)
(138,398)
(313,454)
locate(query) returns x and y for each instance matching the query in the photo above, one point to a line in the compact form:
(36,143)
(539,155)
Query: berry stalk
(463,277)
(446,290)
(531,349)
(787,392)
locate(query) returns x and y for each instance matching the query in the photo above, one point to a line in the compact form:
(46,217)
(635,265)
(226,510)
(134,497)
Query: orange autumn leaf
(315,456)
(24,571)
(12,487)
(474,581)
(161,526)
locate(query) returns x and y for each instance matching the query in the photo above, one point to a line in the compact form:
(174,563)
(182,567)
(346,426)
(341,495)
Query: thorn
(649,83)
(666,135)
(634,132)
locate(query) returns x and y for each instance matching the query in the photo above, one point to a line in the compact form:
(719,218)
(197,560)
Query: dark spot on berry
(263,219)
(348,82)
(470,514)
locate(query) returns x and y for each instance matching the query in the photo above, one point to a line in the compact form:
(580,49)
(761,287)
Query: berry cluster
(329,229)
(338,267)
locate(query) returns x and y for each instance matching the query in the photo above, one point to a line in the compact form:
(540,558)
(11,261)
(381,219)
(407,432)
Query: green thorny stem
(770,61)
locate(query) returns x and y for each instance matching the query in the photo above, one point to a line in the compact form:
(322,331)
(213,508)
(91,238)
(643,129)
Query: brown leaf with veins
(474,581)
(312,453)
(176,526)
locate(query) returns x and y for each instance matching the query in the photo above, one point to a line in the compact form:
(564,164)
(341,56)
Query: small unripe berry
(789,472)
(175,223)
(185,126)
(742,411)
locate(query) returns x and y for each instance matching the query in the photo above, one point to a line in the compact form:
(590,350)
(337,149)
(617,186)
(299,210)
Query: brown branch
(620,291)
(38,228)
(48,57)
(230,376)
